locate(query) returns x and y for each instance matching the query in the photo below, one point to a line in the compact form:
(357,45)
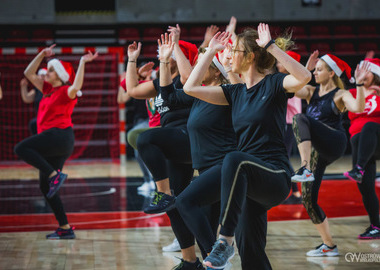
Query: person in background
(365,142)
(33,95)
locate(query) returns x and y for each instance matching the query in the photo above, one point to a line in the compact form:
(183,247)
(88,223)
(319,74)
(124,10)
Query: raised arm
(210,32)
(26,96)
(350,103)
(210,94)
(122,96)
(31,71)
(225,57)
(231,27)
(183,64)
(299,76)
(139,91)
(307,91)
(79,76)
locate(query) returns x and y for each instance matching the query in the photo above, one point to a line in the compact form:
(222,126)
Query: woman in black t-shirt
(257,176)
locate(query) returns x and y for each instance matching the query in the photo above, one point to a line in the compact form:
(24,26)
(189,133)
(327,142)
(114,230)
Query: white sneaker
(303,175)
(323,250)
(147,186)
(173,247)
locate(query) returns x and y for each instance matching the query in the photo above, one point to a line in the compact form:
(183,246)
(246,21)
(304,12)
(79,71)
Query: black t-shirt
(209,126)
(171,116)
(323,108)
(259,118)
(37,99)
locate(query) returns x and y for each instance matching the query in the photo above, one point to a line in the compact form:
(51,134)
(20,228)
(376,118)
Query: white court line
(101,193)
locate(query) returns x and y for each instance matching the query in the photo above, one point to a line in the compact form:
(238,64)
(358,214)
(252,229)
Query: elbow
(307,77)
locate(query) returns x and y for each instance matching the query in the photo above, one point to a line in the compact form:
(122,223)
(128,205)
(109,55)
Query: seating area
(341,38)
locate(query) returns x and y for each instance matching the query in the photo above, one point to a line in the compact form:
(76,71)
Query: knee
(19,149)
(182,203)
(143,140)
(299,118)
(233,159)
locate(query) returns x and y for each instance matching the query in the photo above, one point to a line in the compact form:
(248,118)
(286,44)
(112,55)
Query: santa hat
(374,65)
(294,55)
(42,71)
(338,66)
(190,50)
(63,69)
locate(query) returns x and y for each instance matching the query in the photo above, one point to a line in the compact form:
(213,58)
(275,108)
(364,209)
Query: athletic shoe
(220,255)
(62,234)
(228,267)
(55,183)
(293,200)
(161,203)
(372,232)
(303,175)
(173,247)
(356,174)
(184,265)
(323,250)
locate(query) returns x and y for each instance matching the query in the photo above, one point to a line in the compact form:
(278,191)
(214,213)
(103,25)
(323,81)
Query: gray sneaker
(220,255)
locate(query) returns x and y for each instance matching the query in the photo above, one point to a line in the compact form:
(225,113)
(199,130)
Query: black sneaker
(161,203)
(184,265)
(372,232)
(356,174)
(293,200)
(62,234)
(55,183)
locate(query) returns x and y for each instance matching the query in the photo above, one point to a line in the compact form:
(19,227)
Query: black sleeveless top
(324,109)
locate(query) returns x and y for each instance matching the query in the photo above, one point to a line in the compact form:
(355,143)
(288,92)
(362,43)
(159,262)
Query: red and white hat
(219,65)
(190,50)
(374,65)
(338,66)
(294,55)
(42,71)
(63,69)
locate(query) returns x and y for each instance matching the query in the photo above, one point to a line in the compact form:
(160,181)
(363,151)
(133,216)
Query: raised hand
(224,56)
(210,32)
(134,50)
(146,69)
(89,56)
(219,41)
(264,35)
(312,61)
(176,32)
(165,47)
(370,54)
(361,71)
(23,82)
(231,27)
(49,51)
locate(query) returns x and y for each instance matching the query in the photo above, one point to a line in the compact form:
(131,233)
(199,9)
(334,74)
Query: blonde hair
(222,79)
(336,79)
(263,59)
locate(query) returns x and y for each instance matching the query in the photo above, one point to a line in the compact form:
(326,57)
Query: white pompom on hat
(338,66)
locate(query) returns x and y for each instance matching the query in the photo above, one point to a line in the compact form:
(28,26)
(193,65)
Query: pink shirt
(294,107)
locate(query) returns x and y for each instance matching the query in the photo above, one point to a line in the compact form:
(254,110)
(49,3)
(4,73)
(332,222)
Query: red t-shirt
(154,116)
(371,113)
(55,108)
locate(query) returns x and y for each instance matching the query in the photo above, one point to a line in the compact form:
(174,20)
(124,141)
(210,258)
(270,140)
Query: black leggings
(328,145)
(365,151)
(48,152)
(289,142)
(166,153)
(203,191)
(250,187)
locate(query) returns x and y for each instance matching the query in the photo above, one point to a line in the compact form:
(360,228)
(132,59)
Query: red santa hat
(190,50)
(374,65)
(64,70)
(294,55)
(338,66)
(42,71)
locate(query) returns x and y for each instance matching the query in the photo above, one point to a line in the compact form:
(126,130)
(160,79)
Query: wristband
(132,61)
(359,84)
(164,62)
(269,43)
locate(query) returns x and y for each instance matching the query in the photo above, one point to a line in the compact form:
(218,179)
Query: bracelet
(269,43)
(359,84)
(131,61)
(164,62)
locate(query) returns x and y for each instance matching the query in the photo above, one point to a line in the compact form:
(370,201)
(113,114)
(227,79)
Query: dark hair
(376,79)
(264,60)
